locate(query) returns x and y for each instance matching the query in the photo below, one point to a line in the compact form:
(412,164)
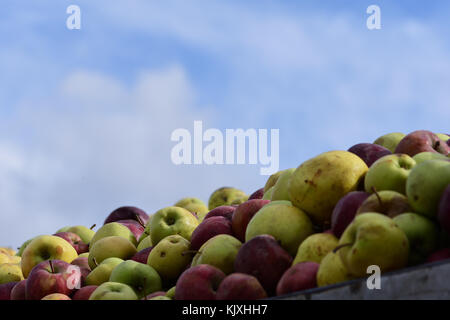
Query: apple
(6,258)
(142,255)
(301,276)
(113,229)
(263,258)
(56,296)
(425,186)
(141,277)
(193,205)
(50,276)
(422,235)
(332,270)
(240,286)
(170,257)
(443,137)
(170,221)
(426,155)
(224,211)
(225,196)
(373,239)
(420,141)
(135,227)
(109,247)
(219,251)
(390,140)
(268,194)
(10,272)
(243,214)
(319,183)
(160,298)
(6,290)
(258,194)
(44,248)
(19,291)
(443,214)
(85,233)
(154,294)
(8,251)
(171,293)
(84,293)
(199,283)
(146,242)
(83,264)
(113,291)
(387,202)
(442,254)
(345,211)
(369,152)
(23,246)
(288,224)
(74,240)
(389,173)
(126,213)
(102,272)
(281,188)
(208,229)
(315,248)
(272,181)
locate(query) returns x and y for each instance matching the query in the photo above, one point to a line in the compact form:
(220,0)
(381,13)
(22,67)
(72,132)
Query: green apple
(113,291)
(23,246)
(272,181)
(144,243)
(332,270)
(316,247)
(171,293)
(194,205)
(108,247)
(389,173)
(84,255)
(10,272)
(220,251)
(288,224)
(102,272)
(225,196)
(281,187)
(373,239)
(425,185)
(170,257)
(160,298)
(46,248)
(83,232)
(442,136)
(172,220)
(63,229)
(422,233)
(113,229)
(141,277)
(390,140)
(427,155)
(319,183)
(268,194)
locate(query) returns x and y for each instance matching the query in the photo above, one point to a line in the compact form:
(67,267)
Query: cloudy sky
(86,115)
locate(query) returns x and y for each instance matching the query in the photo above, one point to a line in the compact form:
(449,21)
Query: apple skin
(103,271)
(225,196)
(83,263)
(389,173)
(19,291)
(6,289)
(113,229)
(199,283)
(135,227)
(154,294)
(345,211)
(113,291)
(369,152)
(301,276)
(315,248)
(74,240)
(332,270)
(390,140)
(420,141)
(110,247)
(224,211)
(209,228)
(444,209)
(240,286)
(424,156)
(194,205)
(258,194)
(43,248)
(442,254)
(56,296)
(84,293)
(243,214)
(392,203)
(263,258)
(126,213)
(142,256)
(42,281)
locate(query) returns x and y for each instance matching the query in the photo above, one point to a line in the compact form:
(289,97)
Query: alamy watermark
(374,20)
(373,281)
(74,20)
(230,149)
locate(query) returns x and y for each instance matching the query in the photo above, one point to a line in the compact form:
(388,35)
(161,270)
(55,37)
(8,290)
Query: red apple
(369,152)
(265,259)
(126,213)
(444,209)
(5,290)
(224,211)
(142,256)
(19,291)
(258,194)
(84,293)
(199,283)
(345,211)
(51,276)
(154,294)
(74,240)
(240,286)
(301,276)
(421,141)
(242,215)
(209,228)
(439,255)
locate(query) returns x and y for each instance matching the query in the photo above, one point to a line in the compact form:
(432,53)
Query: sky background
(86,115)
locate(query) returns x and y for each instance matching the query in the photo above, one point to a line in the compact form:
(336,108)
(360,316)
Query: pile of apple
(385,203)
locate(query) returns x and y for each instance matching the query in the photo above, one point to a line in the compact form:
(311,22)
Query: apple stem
(378,197)
(51,266)
(341,246)
(93,226)
(139,220)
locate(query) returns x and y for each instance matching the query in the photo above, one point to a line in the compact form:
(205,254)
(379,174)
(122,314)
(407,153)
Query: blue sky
(86,115)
